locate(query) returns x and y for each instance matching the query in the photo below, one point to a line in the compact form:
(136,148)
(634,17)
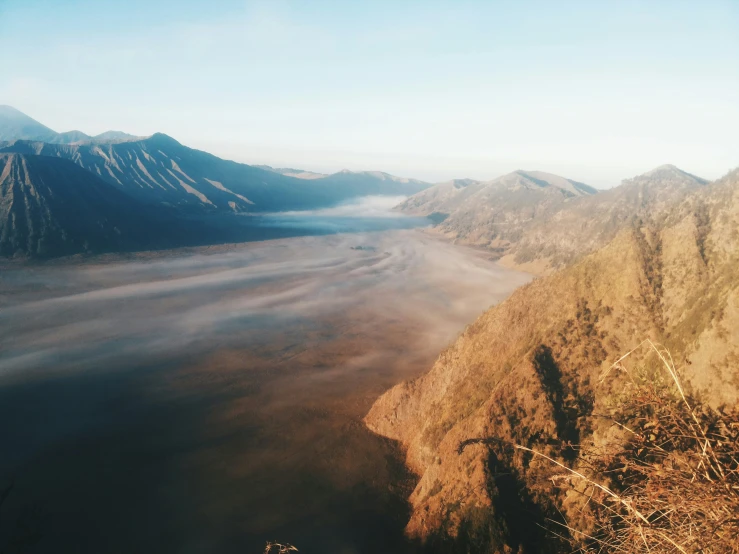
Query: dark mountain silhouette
(51,207)
(160,170)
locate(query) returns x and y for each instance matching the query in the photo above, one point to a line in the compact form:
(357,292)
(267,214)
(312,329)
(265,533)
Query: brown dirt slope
(528,370)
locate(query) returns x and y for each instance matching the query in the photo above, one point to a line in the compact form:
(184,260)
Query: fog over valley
(234,376)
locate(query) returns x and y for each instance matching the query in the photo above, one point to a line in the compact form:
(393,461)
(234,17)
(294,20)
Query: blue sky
(596,91)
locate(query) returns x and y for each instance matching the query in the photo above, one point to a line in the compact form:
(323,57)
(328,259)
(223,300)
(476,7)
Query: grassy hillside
(529,370)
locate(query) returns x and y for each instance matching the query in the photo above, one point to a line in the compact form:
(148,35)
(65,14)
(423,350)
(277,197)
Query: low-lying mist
(211,399)
(368,213)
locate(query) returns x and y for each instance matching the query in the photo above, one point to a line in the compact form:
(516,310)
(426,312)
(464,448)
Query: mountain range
(159,172)
(540,222)
(15,125)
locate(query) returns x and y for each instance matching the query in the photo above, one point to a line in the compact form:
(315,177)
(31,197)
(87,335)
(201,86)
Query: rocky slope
(51,207)
(528,370)
(541,222)
(293,172)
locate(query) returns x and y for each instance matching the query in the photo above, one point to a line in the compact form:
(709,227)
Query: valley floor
(207,400)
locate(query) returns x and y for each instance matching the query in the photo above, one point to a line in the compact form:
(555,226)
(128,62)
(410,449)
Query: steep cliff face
(528,371)
(51,207)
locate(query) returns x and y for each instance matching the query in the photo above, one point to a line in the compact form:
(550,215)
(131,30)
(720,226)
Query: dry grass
(672,483)
(668,483)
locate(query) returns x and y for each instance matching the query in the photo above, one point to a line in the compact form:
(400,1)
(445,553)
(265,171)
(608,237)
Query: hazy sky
(596,91)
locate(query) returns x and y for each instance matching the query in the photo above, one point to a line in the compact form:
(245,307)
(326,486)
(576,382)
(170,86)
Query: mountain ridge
(15,125)
(540,233)
(160,170)
(52,207)
(414,185)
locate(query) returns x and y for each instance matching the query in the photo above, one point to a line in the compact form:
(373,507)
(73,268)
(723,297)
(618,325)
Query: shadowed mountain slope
(51,207)
(528,370)
(160,170)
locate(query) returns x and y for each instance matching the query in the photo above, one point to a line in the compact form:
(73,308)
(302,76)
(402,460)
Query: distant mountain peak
(462,183)
(669,172)
(666,169)
(15,125)
(543,180)
(114,135)
(72,137)
(6,109)
(383,176)
(162,138)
